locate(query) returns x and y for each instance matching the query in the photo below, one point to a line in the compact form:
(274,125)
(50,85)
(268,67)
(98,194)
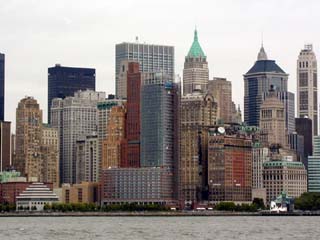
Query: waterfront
(178,228)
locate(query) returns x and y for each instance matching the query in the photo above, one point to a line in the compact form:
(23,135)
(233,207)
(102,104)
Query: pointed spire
(196,50)
(262,54)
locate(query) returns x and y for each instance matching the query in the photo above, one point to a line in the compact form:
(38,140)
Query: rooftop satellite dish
(221,130)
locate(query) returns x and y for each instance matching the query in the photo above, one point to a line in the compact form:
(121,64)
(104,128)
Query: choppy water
(177,228)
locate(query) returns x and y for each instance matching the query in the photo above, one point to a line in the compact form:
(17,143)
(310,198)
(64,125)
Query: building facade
(111,148)
(130,147)
(195,71)
(159,121)
(65,81)
(197,113)
(85,192)
(50,155)
(229,167)
(2,85)
(287,98)
(74,117)
(137,185)
(5,146)
(314,167)
(284,176)
(151,58)
(272,119)
(221,90)
(257,81)
(304,128)
(28,138)
(259,157)
(307,86)
(88,163)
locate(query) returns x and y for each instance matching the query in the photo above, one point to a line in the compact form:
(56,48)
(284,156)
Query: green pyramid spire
(196,50)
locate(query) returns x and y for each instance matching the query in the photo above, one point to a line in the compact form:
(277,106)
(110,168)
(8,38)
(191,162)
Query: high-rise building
(50,155)
(111,146)
(257,81)
(130,149)
(74,117)
(307,86)
(272,119)
(296,143)
(103,115)
(259,156)
(197,113)
(159,121)
(287,98)
(314,167)
(195,71)
(229,167)
(5,145)
(304,128)
(2,85)
(221,90)
(151,58)
(28,138)
(65,81)
(284,176)
(88,163)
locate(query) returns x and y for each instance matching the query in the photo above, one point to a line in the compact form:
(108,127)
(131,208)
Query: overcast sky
(36,34)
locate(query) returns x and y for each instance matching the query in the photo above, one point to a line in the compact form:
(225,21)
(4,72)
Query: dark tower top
(65,81)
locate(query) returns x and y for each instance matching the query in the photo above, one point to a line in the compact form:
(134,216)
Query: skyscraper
(314,167)
(257,81)
(130,149)
(2,85)
(197,113)
(28,138)
(304,128)
(65,81)
(307,88)
(195,71)
(74,117)
(159,121)
(151,58)
(221,90)
(5,145)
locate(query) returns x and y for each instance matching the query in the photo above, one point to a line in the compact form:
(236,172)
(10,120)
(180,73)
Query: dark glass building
(304,128)
(257,81)
(2,66)
(65,81)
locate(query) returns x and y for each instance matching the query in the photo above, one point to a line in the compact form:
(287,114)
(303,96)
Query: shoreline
(154,214)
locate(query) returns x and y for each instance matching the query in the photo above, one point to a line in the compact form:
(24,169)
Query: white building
(307,90)
(35,197)
(74,117)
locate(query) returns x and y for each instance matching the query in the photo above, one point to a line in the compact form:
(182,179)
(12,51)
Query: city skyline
(88,39)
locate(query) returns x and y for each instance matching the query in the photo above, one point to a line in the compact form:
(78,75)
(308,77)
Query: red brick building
(130,153)
(10,190)
(230,168)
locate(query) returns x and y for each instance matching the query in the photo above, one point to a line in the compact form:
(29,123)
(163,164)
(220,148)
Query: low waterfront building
(35,197)
(284,175)
(137,185)
(85,192)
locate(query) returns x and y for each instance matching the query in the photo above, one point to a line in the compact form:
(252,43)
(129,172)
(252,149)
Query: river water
(176,228)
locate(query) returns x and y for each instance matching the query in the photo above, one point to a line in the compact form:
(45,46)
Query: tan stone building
(111,151)
(28,138)
(85,192)
(283,175)
(272,119)
(198,112)
(50,155)
(221,90)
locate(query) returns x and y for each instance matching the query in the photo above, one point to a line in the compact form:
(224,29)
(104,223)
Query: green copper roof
(196,50)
